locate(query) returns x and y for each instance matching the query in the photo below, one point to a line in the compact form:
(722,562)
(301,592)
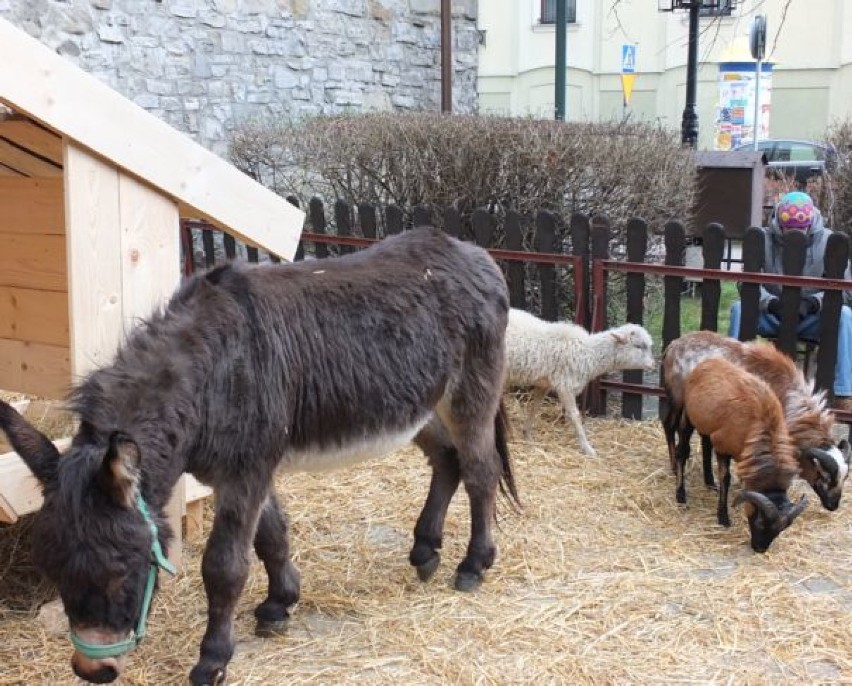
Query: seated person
(796,212)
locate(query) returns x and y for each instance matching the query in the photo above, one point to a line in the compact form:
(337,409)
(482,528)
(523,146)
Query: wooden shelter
(92,191)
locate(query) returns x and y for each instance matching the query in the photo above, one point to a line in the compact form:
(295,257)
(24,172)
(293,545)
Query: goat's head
(634,348)
(826,469)
(768,515)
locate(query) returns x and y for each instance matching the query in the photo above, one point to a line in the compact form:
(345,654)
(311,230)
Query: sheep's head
(826,470)
(768,515)
(634,348)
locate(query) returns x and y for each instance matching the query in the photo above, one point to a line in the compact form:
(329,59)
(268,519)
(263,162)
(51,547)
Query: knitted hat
(795,211)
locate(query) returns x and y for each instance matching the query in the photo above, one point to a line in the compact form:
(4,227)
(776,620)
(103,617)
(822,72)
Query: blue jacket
(817,237)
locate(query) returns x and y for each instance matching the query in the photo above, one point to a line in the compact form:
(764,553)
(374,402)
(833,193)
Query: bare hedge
(839,201)
(622,169)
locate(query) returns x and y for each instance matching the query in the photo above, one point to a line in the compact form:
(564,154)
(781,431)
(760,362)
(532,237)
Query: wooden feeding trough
(92,191)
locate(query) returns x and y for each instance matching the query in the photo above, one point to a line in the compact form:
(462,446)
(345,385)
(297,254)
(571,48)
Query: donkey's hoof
(468,581)
(265,628)
(428,568)
(214,678)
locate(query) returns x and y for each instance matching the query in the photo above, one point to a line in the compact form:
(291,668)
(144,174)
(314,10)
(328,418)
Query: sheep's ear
(620,338)
(119,473)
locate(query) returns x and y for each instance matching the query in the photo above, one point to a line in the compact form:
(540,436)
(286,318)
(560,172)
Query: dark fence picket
(230,245)
(711,290)
(753,259)
(484,227)
(252,254)
(675,242)
(637,247)
(367,219)
(316,214)
(300,249)
(793,249)
(545,241)
(453,222)
(343,221)
(581,246)
(596,396)
(209,247)
(835,261)
(515,271)
(394,220)
(421,215)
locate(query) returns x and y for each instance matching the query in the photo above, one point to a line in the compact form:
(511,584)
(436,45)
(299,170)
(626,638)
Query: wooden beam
(31,315)
(35,368)
(32,206)
(33,261)
(94,260)
(9,172)
(53,91)
(33,137)
(22,161)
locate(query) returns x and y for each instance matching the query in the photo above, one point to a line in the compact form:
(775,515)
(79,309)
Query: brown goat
(744,421)
(822,464)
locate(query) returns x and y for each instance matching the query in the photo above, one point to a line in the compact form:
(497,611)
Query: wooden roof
(50,98)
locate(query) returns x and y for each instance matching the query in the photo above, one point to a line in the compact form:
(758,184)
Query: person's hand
(774,307)
(808,306)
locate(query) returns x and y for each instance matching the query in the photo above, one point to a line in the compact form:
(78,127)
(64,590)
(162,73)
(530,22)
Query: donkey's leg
(224,568)
(435,442)
(272,544)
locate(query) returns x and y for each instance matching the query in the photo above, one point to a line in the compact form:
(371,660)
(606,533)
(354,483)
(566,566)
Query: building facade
(206,65)
(809,46)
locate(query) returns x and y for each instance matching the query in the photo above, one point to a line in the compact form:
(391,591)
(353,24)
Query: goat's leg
(435,442)
(722,515)
(707,461)
(572,413)
(682,454)
(533,410)
(671,420)
(272,544)
(224,568)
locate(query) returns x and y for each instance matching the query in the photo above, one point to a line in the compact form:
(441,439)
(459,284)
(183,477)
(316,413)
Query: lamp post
(561,57)
(689,121)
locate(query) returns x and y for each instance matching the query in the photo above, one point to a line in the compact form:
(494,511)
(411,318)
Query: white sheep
(565,357)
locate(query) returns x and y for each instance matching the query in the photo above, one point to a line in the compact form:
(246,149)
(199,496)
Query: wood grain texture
(35,368)
(37,316)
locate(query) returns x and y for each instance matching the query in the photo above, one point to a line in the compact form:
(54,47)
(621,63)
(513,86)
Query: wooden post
(393,219)
(515,271)
(421,215)
(343,220)
(835,261)
(452,222)
(581,246)
(754,254)
(793,253)
(316,212)
(367,219)
(600,251)
(637,246)
(711,291)
(207,242)
(300,248)
(483,228)
(545,241)
(675,241)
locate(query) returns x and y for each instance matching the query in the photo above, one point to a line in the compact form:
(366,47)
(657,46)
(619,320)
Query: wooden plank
(394,220)
(31,315)
(545,241)
(7,171)
(793,256)
(316,211)
(711,289)
(33,137)
(94,260)
(581,233)
(516,272)
(59,95)
(150,249)
(18,486)
(32,206)
(637,247)
(836,261)
(675,241)
(343,221)
(22,161)
(33,261)
(453,222)
(35,368)
(754,255)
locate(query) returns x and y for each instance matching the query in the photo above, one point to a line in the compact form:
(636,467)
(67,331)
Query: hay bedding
(603,579)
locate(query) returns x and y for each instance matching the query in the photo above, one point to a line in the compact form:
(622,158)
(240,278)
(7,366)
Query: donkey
(305,366)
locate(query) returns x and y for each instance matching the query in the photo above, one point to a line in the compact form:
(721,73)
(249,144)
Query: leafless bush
(622,169)
(839,134)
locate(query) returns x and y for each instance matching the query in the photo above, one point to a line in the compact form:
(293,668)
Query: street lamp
(689,122)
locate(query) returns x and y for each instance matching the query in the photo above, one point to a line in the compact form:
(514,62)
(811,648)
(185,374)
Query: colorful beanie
(795,211)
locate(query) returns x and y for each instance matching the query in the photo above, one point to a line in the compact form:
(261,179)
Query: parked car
(793,157)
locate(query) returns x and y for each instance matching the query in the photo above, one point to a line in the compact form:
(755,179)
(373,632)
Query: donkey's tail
(507,478)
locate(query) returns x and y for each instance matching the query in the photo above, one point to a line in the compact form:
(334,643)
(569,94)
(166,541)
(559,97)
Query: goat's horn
(761,502)
(826,461)
(790,515)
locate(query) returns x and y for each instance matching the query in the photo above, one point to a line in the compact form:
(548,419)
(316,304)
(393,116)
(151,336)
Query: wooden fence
(562,270)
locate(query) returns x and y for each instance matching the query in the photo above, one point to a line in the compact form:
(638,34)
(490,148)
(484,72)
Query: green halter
(98,651)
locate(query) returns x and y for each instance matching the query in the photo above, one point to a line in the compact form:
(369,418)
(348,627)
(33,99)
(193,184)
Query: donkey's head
(94,538)
(633,348)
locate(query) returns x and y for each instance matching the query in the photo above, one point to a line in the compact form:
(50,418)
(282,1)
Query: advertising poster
(734,121)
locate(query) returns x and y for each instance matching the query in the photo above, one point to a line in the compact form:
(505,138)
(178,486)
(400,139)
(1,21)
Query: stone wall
(204,66)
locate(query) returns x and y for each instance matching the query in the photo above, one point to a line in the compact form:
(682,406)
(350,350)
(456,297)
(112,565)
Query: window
(722,9)
(548,11)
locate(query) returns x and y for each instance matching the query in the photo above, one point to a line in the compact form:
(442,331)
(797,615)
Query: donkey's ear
(36,449)
(119,473)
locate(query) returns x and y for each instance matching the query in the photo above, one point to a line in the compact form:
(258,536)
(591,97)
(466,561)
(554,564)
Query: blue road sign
(628,59)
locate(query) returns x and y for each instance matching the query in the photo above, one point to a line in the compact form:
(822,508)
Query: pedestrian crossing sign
(628,59)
